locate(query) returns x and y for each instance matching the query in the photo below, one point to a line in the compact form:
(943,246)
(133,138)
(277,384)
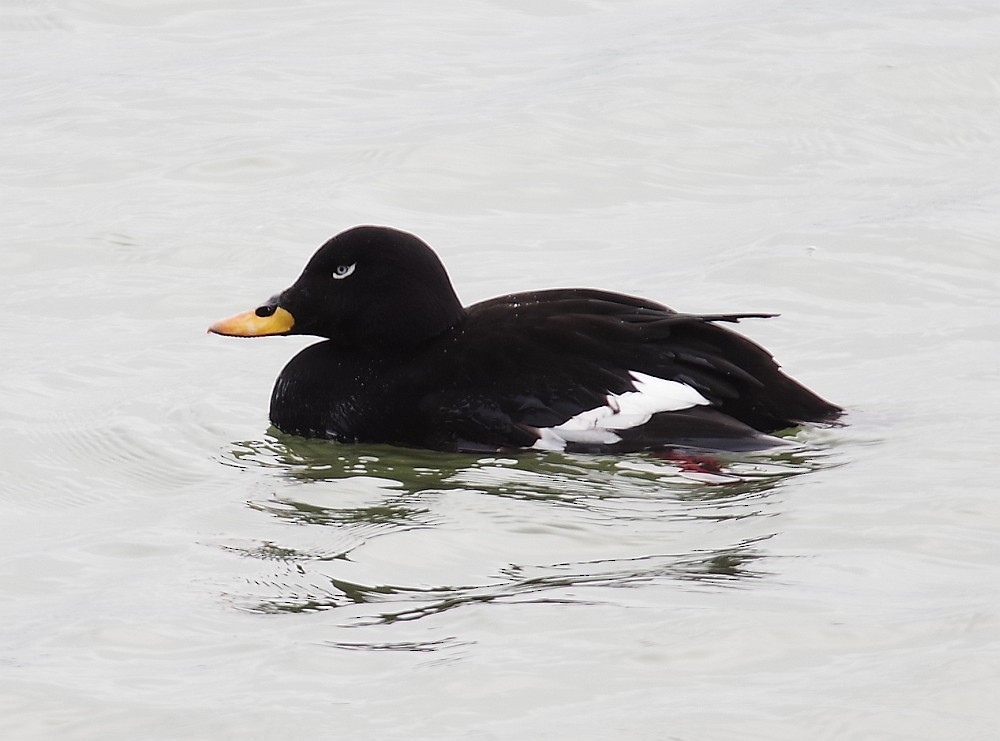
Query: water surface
(174,568)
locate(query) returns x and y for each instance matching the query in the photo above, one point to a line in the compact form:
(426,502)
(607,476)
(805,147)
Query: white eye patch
(342,271)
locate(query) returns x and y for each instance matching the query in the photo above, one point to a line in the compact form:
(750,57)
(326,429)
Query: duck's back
(555,354)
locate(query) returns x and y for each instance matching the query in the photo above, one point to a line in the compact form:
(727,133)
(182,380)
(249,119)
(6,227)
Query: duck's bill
(252,324)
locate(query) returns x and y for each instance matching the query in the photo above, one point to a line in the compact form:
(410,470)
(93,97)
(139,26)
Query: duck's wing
(591,370)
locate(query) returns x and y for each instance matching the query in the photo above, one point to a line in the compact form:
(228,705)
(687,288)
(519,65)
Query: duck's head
(369,285)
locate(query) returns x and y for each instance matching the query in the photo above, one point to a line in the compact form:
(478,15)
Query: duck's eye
(342,271)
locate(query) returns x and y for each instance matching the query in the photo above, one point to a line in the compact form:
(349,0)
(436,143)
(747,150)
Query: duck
(402,362)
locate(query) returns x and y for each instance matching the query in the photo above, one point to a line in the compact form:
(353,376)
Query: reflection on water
(349,497)
(540,584)
(548,476)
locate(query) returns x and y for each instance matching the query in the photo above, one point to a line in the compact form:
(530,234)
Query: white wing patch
(621,412)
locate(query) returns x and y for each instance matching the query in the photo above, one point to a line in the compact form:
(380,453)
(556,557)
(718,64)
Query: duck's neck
(386,328)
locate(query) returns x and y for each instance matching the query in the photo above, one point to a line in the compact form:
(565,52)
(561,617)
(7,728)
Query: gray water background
(170,568)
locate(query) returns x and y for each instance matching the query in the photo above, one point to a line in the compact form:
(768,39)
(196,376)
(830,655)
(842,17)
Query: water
(173,568)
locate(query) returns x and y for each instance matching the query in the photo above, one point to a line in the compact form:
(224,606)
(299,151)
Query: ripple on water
(32,15)
(88,455)
(386,536)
